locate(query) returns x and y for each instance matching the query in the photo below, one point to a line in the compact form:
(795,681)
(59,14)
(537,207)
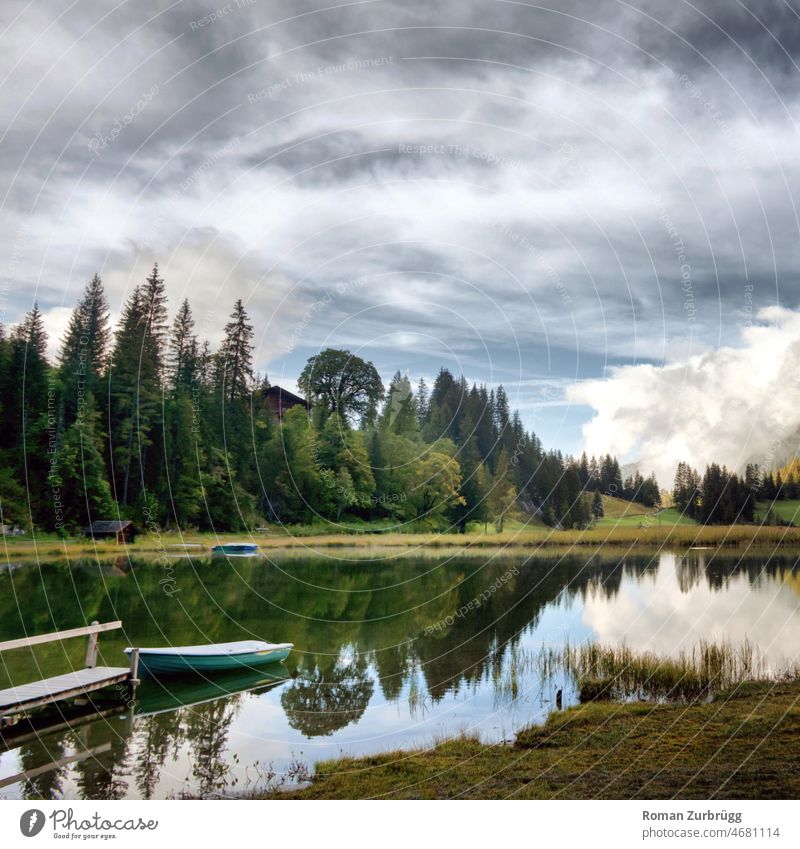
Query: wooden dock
(24,697)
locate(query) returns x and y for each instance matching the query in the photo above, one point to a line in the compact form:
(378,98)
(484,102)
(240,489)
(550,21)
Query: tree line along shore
(147,421)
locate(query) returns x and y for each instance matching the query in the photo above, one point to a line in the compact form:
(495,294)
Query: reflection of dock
(59,718)
(28,774)
(24,697)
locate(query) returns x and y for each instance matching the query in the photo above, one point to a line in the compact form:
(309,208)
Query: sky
(594,204)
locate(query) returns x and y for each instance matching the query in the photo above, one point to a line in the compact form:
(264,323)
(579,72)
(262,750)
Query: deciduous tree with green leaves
(340,382)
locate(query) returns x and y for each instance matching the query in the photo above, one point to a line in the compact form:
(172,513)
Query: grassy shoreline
(744,744)
(652,536)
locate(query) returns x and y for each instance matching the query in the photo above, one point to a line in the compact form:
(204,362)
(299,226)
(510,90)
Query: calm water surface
(388,654)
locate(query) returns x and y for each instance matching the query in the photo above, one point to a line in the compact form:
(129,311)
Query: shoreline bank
(709,537)
(742,745)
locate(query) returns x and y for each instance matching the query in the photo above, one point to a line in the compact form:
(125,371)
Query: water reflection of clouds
(662,615)
(396,693)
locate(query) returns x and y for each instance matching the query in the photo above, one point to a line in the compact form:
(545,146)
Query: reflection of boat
(216,657)
(236,548)
(154,697)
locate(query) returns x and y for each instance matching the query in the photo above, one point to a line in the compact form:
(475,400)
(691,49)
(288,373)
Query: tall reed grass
(620,672)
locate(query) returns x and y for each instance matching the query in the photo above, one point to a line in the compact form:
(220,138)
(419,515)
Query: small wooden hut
(280,400)
(122,530)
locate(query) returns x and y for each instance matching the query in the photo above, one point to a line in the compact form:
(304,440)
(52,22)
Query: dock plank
(35,693)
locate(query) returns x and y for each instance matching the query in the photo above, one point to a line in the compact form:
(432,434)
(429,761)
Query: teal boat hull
(157,664)
(239,549)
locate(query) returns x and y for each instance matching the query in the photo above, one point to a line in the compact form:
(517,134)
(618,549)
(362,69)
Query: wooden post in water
(134,666)
(91,648)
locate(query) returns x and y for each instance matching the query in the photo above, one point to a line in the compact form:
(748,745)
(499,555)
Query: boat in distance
(215,657)
(239,548)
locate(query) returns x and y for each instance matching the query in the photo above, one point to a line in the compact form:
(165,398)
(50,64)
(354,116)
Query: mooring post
(91,648)
(134,674)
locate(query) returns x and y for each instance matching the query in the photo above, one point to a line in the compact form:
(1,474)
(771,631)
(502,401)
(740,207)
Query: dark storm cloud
(604,177)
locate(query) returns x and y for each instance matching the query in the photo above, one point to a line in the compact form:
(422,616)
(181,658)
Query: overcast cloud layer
(529,195)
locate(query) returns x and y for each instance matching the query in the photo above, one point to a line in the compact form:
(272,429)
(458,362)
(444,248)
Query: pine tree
(123,377)
(83,472)
(135,391)
(182,350)
(186,455)
(423,409)
(594,474)
(85,345)
(485,430)
(205,365)
(30,426)
(154,304)
(473,506)
(236,354)
(400,407)
(502,416)
(598,511)
(82,359)
(584,470)
(501,410)
(443,408)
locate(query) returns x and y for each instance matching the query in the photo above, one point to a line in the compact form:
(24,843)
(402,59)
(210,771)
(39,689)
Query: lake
(389,653)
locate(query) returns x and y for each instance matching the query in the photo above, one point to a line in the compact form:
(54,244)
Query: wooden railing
(93,631)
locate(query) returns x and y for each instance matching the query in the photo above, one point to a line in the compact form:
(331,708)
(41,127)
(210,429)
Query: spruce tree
(84,352)
(182,350)
(400,407)
(154,303)
(501,410)
(598,511)
(422,403)
(236,354)
(31,424)
(135,392)
(123,382)
(83,472)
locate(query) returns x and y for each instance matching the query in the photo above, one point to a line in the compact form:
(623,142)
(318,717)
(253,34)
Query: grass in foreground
(744,744)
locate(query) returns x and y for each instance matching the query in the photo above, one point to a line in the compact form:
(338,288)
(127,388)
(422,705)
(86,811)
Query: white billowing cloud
(730,405)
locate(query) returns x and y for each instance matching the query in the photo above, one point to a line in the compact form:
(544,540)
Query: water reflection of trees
(47,785)
(328,696)
(402,617)
(103,775)
(207,731)
(158,738)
